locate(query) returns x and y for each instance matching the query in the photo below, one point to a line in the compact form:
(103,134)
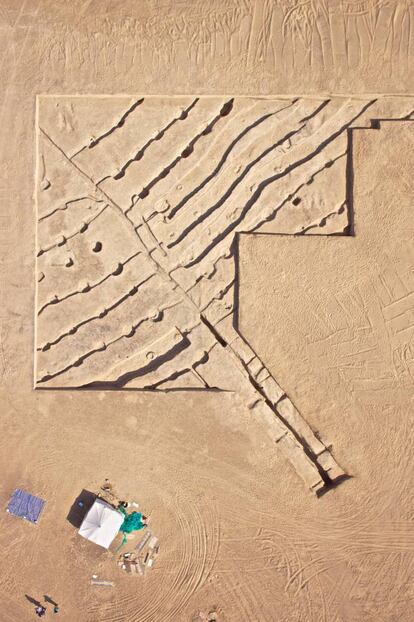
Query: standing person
(40,611)
(56,609)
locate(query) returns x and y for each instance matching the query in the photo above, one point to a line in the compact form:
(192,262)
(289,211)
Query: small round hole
(118,269)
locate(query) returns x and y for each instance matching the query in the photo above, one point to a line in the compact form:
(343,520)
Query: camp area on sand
(116,526)
(105,520)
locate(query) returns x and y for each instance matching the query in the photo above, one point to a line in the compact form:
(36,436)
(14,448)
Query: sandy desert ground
(207,218)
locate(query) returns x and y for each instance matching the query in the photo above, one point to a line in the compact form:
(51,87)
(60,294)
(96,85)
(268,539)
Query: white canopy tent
(101,524)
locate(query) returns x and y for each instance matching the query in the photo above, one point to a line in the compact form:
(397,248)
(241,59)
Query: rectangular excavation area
(140,205)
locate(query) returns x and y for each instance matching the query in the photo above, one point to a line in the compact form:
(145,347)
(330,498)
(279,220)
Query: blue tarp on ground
(24,505)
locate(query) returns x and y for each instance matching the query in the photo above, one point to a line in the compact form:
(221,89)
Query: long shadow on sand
(32,600)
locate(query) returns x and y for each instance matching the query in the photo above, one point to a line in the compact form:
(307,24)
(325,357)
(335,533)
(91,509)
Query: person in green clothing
(56,609)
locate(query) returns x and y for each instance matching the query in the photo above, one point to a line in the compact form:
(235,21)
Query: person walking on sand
(40,611)
(56,609)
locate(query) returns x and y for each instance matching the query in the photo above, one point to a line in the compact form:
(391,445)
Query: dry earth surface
(274,118)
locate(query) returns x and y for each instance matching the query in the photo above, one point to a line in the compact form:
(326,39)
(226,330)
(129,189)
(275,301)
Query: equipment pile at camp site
(109,524)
